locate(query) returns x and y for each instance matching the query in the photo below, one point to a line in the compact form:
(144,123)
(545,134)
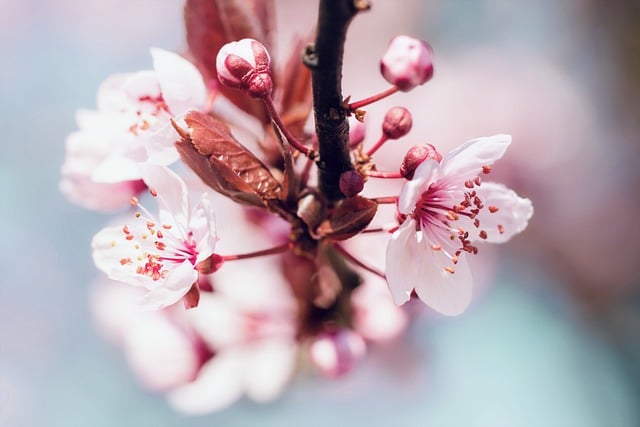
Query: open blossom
(448,210)
(249,325)
(130,126)
(159,254)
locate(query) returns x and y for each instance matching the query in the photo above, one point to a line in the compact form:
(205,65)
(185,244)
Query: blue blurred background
(554,339)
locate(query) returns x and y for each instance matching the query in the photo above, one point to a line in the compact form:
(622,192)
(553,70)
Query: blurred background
(553,339)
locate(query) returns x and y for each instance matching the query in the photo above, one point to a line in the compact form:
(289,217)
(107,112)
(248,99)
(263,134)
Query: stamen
(500,228)
(449,270)
(478,181)
(483,234)
(468,184)
(153,192)
(436,247)
(486,169)
(493,209)
(134,201)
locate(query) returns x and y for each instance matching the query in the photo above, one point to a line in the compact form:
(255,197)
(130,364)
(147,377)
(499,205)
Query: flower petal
(412,190)
(217,386)
(467,160)
(172,192)
(203,227)
(161,147)
(171,289)
(110,253)
(512,216)
(446,293)
(403,262)
(269,366)
(181,82)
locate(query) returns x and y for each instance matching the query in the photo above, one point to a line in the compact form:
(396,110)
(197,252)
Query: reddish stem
(271,251)
(292,140)
(370,100)
(379,174)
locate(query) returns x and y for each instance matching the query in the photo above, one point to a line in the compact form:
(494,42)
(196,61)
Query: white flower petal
(467,160)
(203,227)
(116,169)
(446,293)
(161,145)
(110,248)
(269,365)
(172,191)
(412,190)
(217,321)
(181,82)
(512,216)
(217,386)
(403,262)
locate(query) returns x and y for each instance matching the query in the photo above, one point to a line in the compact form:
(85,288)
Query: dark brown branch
(324,59)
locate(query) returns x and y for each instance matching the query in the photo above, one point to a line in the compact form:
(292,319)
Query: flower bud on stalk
(407,63)
(415,156)
(351,183)
(244,65)
(397,123)
(336,353)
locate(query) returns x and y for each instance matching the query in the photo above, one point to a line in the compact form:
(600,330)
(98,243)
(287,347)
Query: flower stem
(353,106)
(271,251)
(292,140)
(357,262)
(324,59)
(379,174)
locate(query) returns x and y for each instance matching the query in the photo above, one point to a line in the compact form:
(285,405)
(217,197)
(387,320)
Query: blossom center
(159,247)
(147,115)
(439,213)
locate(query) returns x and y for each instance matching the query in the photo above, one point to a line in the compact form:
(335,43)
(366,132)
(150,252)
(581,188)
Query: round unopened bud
(407,63)
(357,132)
(351,183)
(336,353)
(245,65)
(416,155)
(397,123)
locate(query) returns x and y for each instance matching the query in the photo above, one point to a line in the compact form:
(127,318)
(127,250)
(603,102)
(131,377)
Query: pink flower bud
(397,123)
(357,132)
(407,63)
(245,65)
(351,183)
(336,353)
(416,155)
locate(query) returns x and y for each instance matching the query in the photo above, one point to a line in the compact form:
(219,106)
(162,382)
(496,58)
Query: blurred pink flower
(161,350)
(130,127)
(160,255)
(249,322)
(444,203)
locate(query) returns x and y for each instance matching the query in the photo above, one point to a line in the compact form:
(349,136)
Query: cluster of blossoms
(249,261)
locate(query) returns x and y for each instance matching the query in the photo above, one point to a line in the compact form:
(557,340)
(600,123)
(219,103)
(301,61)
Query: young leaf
(349,218)
(223,163)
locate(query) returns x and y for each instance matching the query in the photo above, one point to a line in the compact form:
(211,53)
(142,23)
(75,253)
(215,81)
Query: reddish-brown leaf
(349,218)
(212,23)
(223,163)
(294,90)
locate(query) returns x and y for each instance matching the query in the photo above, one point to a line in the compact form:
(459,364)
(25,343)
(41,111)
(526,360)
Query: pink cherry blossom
(249,323)
(159,254)
(158,345)
(448,210)
(131,126)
